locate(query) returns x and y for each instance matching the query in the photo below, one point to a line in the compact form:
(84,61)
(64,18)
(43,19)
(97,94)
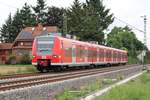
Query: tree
(89,20)
(74,19)
(124,38)
(17,24)
(23,18)
(27,17)
(40,12)
(6,31)
(55,16)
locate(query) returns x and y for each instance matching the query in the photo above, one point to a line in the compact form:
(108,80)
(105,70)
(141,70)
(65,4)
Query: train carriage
(55,52)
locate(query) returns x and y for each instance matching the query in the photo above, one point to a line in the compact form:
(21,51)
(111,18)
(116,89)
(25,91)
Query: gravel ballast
(49,90)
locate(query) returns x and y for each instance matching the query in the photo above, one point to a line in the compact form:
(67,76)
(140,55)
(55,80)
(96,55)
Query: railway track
(17,76)
(48,78)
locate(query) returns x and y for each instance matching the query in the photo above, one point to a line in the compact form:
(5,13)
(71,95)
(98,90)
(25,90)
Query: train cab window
(62,45)
(45,45)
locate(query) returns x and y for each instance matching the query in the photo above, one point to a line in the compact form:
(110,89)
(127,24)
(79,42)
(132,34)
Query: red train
(56,53)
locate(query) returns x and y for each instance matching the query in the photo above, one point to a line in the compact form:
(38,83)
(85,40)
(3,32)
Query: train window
(107,54)
(45,45)
(115,55)
(62,45)
(78,51)
(89,53)
(85,53)
(82,52)
(100,53)
(118,55)
(73,52)
(68,52)
(94,53)
(110,54)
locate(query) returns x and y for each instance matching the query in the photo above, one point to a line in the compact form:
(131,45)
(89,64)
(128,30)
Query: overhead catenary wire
(133,27)
(4,4)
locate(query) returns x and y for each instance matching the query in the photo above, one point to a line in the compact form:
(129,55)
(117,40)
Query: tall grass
(138,89)
(76,94)
(16,69)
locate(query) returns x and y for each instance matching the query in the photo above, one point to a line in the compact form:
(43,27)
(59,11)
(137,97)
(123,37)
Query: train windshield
(45,45)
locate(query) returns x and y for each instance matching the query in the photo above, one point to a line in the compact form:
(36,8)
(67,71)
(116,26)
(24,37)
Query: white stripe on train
(87,63)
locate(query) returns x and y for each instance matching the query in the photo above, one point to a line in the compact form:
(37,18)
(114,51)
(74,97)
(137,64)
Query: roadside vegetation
(137,89)
(77,93)
(16,69)
(125,38)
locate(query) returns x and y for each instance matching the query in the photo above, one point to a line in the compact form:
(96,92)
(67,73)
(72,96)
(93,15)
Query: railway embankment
(48,91)
(137,88)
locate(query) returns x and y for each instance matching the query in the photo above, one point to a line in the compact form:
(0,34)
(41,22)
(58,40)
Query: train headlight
(33,56)
(55,56)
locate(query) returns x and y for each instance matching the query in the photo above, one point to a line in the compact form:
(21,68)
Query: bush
(25,59)
(11,59)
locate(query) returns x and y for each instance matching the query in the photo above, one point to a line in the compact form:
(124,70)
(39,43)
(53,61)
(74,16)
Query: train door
(105,51)
(73,54)
(97,55)
(86,54)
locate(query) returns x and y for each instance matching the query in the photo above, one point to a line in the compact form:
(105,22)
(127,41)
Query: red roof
(5,46)
(29,33)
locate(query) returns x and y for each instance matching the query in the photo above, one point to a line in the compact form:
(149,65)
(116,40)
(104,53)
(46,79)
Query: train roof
(89,44)
(84,43)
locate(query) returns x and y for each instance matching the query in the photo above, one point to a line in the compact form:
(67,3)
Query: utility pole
(145,38)
(65,23)
(145,24)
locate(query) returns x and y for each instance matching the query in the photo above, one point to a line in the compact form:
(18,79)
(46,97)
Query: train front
(42,52)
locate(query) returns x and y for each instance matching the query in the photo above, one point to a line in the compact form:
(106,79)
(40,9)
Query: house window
(28,44)
(21,43)
(3,58)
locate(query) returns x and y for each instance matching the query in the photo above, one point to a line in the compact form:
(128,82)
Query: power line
(129,25)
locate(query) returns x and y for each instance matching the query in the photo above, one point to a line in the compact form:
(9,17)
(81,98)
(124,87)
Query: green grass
(75,94)
(138,89)
(132,60)
(16,69)
(16,65)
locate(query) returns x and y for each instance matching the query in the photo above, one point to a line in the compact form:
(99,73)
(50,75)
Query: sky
(129,11)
